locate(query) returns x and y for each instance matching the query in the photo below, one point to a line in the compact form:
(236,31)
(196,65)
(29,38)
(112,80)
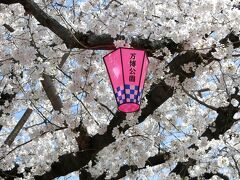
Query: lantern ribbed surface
(127,69)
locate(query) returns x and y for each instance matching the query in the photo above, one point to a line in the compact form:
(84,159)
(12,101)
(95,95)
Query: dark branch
(11,174)
(152,161)
(3,98)
(210,175)
(18,127)
(88,40)
(49,88)
(9,1)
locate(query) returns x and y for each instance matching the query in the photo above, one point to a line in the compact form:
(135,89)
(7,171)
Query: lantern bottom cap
(129,107)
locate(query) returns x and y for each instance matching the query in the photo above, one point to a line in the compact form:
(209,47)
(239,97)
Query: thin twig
(200,102)
(236,165)
(61,128)
(224,80)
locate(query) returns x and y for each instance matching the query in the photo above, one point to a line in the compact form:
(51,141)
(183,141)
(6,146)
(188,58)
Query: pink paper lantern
(127,69)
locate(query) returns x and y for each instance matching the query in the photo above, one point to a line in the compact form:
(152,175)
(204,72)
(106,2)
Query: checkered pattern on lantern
(120,95)
(132,94)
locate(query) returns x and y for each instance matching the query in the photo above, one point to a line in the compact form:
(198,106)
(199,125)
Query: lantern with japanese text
(127,69)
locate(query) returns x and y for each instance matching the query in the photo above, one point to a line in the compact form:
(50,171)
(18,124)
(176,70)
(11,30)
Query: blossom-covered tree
(57,109)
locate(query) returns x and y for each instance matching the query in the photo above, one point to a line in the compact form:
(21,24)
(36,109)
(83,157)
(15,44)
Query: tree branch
(236,165)
(3,98)
(223,122)
(200,102)
(210,175)
(18,127)
(51,92)
(182,167)
(151,161)
(11,174)
(9,1)
(88,40)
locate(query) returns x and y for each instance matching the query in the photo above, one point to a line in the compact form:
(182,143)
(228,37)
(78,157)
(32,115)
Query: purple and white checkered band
(128,93)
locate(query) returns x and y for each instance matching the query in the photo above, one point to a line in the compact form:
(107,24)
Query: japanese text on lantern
(132,67)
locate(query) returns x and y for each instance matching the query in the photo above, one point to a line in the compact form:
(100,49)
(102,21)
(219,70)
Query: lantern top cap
(125,48)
